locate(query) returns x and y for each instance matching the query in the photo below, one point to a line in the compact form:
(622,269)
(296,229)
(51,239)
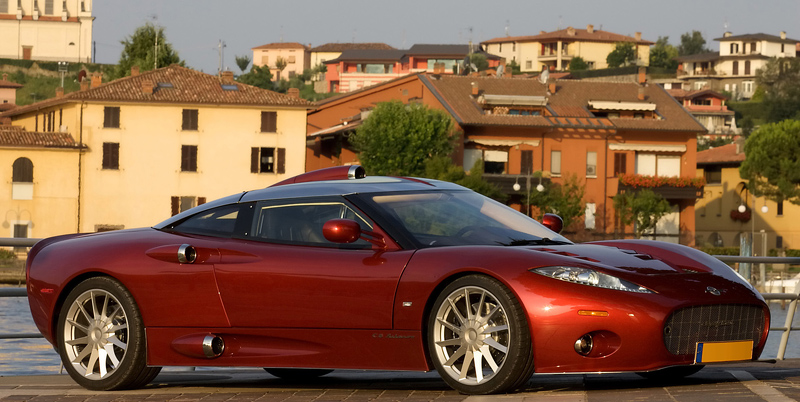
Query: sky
(196,27)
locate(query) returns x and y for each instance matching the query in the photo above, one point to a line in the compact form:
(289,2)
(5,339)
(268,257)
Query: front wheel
(478,337)
(101,337)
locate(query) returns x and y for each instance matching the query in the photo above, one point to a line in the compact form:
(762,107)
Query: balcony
(671,188)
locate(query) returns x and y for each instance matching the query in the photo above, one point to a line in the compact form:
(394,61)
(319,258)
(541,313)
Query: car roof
(326,188)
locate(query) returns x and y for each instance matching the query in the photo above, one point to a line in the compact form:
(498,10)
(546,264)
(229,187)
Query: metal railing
(786,329)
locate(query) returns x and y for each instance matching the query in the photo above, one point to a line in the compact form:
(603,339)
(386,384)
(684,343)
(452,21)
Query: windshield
(462,218)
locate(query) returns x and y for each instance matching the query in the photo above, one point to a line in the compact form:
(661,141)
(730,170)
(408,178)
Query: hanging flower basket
(743,217)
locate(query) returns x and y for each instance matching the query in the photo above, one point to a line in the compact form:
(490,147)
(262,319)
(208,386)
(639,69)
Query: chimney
(570,31)
(97,79)
(147,87)
(551,88)
(638,36)
(60,92)
(294,93)
(5,77)
(642,75)
(726,34)
(641,94)
(590,28)
(475,90)
(739,141)
(227,77)
(134,71)
(783,34)
(6,121)
(84,85)
(542,32)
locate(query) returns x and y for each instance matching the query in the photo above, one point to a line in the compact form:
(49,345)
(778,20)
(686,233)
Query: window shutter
(281,160)
(269,122)
(201,200)
(254,160)
(176,205)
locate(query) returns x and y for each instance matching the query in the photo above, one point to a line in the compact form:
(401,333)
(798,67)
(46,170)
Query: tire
(478,337)
(671,373)
(293,374)
(101,339)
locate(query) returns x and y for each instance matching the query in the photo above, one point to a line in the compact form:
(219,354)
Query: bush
(7,257)
(720,250)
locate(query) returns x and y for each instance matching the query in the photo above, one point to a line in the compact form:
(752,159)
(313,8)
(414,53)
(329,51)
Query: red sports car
(332,270)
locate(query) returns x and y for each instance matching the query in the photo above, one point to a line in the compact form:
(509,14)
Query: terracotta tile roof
(578,35)
(681,94)
(756,37)
(340,47)
(9,84)
(188,87)
(282,45)
(16,136)
(570,100)
(723,154)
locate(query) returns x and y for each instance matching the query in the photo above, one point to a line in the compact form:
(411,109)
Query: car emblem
(712,291)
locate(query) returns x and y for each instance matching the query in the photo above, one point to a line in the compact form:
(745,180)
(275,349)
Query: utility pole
(221,47)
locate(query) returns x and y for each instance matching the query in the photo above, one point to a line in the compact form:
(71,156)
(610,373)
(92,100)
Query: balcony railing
(671,188)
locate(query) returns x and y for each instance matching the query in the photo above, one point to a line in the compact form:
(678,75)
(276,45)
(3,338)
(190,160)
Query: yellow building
(556,49)
(296,56)
(55,30)
(720,221)
(39,190)
(163,141)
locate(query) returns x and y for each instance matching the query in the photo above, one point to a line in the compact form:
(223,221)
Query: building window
(111,117)
(188,158)
(747,87)
(658,165)
(713,174)
(180,204)
(779,242)
(620,164)
(111,155)
(526,162)
(716,240)
(3,6)
(591,164)
(494,162)
(747,67)
(735,68)
(269,122)
(555,163)
(20,232)
(265,60)
(528,64)
(734,48)
(780,208)
(48,7)
(189,120)
(22,171)
(268,160)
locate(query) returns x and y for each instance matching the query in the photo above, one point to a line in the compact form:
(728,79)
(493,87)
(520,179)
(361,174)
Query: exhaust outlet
(213,346)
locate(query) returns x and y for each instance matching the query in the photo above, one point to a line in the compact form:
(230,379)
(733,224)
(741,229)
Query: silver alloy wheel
(472,335)
(96,334)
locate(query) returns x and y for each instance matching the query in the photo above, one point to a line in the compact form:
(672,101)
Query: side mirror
(341,230)
(553,222)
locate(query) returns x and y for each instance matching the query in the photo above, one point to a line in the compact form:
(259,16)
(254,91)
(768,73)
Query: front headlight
(585,276)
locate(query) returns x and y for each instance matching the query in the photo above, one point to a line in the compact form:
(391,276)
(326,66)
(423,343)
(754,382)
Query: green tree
(280,64)
(564,199)
(397,139)
(662,54)
(479,60)
(140,48)
(624,53)
(692,43)
(258,76)
(641,208)
(243,62)
(578,64)
(514,67)
(780,81)
(772,161)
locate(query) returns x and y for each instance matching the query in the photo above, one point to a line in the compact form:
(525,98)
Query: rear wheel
(101,337)
(297,374)
(478,337)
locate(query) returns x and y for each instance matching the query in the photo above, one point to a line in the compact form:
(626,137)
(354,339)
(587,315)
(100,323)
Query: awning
(502,143)
(611,105)
(647,147)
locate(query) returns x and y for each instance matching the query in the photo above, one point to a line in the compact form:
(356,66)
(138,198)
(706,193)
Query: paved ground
(729,383)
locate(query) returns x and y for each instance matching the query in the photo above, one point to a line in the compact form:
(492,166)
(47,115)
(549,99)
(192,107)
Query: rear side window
(217,222)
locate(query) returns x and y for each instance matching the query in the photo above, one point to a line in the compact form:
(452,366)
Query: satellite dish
(500,70)
(544,76)
(473,66)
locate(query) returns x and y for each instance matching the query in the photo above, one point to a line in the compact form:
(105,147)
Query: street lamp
(62,69)
(539,188)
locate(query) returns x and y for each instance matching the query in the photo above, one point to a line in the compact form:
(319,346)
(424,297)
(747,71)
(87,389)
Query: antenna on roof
(507,22)
(725,25)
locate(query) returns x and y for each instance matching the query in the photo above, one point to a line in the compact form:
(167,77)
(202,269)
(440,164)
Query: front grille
(715,323)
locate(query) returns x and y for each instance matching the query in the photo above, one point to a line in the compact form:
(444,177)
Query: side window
(301,223)
(218,222)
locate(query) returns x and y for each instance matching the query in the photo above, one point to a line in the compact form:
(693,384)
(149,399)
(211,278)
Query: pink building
(8,93)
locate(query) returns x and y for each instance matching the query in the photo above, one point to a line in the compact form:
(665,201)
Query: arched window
(23,171)
(715,239)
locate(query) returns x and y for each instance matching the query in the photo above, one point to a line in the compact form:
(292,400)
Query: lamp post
(539,188)
(62,69)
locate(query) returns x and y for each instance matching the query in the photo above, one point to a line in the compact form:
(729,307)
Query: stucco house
(160,142)
(296,55)
(46,30)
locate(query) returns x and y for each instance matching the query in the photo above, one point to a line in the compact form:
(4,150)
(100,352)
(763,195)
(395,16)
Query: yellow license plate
(714,352)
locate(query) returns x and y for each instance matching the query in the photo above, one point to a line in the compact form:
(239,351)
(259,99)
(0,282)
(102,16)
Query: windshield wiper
(537,242)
